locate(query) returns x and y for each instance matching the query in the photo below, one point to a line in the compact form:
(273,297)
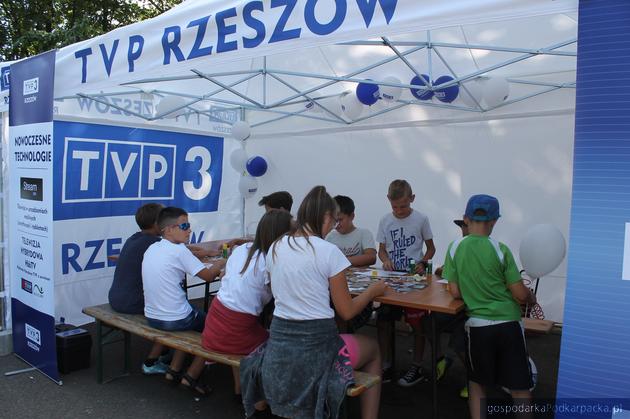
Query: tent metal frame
(301,96)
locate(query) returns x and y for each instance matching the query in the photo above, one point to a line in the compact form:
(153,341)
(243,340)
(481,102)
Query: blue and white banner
(31,211)
(202,33)
(595,345)
(104,173)
(5,71)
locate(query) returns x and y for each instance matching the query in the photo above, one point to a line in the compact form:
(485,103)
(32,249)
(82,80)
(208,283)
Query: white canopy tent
(519,150)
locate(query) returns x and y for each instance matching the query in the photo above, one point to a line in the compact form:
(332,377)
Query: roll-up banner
(30,212)
(74,189)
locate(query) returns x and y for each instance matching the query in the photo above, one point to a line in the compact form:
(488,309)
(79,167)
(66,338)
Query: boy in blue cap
(482,272)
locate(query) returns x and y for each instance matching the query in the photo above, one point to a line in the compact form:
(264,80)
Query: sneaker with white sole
(414,375)
(157,368)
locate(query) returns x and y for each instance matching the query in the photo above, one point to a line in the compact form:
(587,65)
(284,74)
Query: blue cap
(487,203)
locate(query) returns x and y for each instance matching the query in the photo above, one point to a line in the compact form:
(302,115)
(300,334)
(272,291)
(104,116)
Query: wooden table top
(435,297)
(216,244)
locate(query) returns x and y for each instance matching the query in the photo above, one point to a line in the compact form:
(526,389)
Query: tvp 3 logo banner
(103,171)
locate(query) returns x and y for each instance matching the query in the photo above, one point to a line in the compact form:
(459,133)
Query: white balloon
(351,106)
(496,90)
(333,104)
(238,159)
(390,93)
(542,249)
(170,107)
(241,130)
(248,186)
(476,90)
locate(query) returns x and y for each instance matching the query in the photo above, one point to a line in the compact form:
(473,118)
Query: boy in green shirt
(482,272)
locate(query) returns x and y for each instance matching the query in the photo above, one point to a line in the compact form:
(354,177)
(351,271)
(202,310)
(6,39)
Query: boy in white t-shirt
(401,236)
(357,244)
(166,307)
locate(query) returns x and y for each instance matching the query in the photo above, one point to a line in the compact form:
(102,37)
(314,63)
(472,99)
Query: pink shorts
(352,346)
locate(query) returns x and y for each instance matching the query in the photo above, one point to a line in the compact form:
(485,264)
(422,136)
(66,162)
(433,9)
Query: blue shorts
(194,321)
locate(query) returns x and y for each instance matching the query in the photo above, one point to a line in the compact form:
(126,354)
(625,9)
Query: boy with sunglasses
(166,307)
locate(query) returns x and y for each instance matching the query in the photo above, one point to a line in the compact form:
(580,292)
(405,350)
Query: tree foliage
(29,27)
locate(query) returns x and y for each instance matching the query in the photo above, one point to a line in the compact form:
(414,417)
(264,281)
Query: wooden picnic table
(435,298)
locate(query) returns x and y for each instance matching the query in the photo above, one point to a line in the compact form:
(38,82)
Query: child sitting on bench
(233,325)
(166,307)
(126,294)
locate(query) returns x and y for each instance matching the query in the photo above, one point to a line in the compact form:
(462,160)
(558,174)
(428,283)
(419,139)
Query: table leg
(434,336)
(127,352)
(99,352)
(392,341)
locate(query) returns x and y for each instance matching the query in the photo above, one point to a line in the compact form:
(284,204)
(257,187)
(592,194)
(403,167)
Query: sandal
(200,389)
(176,376)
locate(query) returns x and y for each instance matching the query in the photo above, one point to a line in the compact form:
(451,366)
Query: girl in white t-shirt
(306,273)
(233,323)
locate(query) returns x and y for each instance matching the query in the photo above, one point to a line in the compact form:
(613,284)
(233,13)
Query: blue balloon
(256,166)
(421,93)
(448,94)
(367,93)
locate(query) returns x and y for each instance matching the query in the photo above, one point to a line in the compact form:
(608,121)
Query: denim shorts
(194,321)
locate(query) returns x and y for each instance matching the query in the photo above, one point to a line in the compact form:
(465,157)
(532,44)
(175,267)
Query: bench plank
(190,342)
(537,325)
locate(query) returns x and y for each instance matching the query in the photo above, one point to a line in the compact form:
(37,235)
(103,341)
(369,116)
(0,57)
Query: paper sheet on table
(380,272)
(442,281)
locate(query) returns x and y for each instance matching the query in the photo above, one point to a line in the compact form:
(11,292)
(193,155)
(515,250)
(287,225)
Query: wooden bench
(188,341)
(537,325)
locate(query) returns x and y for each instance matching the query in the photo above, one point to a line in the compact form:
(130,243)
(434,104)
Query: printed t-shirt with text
(404,237)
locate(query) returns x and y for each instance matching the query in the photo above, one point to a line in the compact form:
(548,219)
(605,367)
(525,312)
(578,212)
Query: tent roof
(531,43)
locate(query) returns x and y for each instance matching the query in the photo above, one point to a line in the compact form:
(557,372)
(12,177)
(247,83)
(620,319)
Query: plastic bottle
(412,266)
(429,269)
(225,251)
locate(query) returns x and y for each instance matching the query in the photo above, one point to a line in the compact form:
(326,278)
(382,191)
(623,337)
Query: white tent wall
(526,161)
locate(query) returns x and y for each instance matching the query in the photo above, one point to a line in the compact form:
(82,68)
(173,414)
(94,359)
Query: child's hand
(420,268)
(377,289)
(219,263)
(388,265)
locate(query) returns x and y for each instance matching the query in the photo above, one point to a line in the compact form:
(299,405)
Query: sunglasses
(182,226)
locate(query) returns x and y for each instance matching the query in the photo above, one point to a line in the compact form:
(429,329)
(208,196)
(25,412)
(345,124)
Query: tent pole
(264,80)
(242,197)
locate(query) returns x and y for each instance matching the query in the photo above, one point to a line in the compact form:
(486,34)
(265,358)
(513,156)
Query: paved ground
(31,395)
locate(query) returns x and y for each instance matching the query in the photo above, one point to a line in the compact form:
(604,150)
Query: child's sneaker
(157,368)
(166,358)
(414,375)
(442,366)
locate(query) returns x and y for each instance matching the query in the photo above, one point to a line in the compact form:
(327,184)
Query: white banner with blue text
(203,33)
